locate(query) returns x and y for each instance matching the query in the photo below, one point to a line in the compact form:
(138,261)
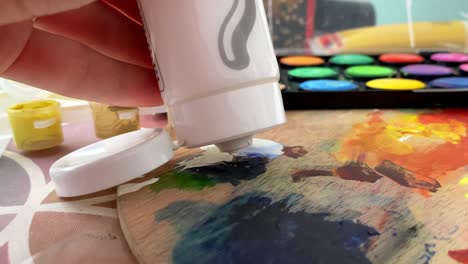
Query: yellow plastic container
(110,121)
(36,125)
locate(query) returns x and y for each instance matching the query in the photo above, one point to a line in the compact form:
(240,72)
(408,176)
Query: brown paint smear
(360,171)
(294,152)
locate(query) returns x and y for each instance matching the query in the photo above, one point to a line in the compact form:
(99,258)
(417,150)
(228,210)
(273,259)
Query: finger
(17,36)
(103,29)
(129,8)
(12,11)
(66,67)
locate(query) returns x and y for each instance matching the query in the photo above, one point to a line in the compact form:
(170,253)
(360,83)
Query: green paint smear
(182,180)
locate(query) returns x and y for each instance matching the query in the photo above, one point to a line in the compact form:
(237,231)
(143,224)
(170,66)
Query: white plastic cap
(111,162)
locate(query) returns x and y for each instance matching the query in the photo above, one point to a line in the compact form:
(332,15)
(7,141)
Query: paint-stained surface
(252,228)
(303,174)
(197,178)
(431,144)
(328,187)
(235,171)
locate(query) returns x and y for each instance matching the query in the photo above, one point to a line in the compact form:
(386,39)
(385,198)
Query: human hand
(78,48)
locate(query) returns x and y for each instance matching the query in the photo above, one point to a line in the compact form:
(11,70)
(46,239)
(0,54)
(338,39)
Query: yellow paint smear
(464,181)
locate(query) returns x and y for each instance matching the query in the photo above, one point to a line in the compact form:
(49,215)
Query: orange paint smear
(429,144)
(444,116)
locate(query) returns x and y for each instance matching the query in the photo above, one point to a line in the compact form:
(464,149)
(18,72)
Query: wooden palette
(351,187)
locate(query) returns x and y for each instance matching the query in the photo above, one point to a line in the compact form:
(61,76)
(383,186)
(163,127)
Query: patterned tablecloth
(37,226)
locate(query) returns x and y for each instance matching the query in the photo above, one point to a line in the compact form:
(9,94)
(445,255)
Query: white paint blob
(212,155)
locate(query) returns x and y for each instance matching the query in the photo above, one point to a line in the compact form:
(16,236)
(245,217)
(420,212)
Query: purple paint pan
(450,57)
(426,71)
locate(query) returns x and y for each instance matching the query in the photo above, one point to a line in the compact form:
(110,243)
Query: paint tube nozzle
(231,146)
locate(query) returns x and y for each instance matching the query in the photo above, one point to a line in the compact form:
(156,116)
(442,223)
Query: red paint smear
(444,116)
(310,22)
(459,255)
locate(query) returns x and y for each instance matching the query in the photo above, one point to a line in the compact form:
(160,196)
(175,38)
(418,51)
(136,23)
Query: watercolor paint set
(351,80)
(370,54)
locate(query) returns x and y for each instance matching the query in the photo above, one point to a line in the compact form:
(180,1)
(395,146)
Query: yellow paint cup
(110,121)
(36,125)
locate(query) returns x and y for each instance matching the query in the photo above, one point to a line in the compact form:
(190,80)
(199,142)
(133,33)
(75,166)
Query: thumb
(12,11)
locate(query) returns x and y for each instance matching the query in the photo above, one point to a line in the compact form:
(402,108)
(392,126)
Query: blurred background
(292,22)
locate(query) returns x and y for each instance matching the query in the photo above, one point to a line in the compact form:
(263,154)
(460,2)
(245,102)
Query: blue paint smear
(252,228)
(259,155)
(429,252)
(183,215)
(271,151)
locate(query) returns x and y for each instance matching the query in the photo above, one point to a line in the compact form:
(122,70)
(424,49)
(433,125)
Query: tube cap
(111,162)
